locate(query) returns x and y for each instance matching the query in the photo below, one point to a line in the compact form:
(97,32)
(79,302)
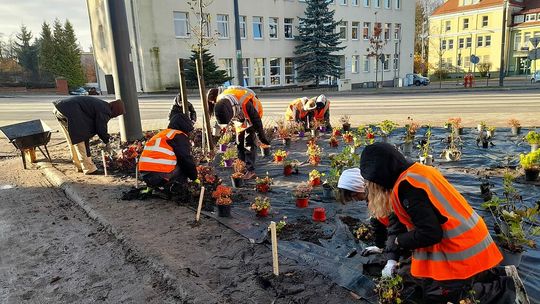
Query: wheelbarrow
(29,135)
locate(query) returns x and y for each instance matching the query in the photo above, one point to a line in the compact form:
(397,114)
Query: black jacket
(87,116)
(382,164)
(182,146)
(178,108)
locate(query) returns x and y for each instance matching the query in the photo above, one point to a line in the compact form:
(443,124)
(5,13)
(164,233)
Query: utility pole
(238,42)
(124,76)
(503,46)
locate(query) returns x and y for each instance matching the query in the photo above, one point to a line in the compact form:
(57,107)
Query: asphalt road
(429,108)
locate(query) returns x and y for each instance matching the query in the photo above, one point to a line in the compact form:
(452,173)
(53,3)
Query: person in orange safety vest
(299,109)
(166,158)
(322,111)
(452,250)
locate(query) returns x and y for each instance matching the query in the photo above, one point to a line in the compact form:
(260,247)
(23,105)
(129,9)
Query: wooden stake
(202,91)
(104,162)
(136,173)
(183,92)
(275,261)
(201,197)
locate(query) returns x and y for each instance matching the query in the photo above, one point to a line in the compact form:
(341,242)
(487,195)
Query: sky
(32,13)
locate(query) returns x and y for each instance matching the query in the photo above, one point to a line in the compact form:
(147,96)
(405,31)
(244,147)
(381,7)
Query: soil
(303,229)
(354,224)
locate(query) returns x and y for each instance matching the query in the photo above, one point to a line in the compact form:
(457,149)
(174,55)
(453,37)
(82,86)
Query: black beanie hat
(223,111)
(382,164)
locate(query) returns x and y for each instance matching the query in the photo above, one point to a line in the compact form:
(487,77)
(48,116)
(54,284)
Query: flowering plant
(267,180)
(303,190)
(455,122)
(225,139)
(348,137)
(333,142)
(314,174)
(512,122)
(314,152)
(239,169)
(336,132)
(387,127)
(281,153)
(260,204)
(410,129)
(344,119)
(222,194)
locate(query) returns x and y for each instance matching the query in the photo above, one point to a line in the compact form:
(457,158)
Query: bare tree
(201,32)
(376,44)
(439,48)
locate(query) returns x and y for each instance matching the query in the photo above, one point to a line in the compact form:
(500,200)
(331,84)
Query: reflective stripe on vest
(466,247)
(158,155)
(297,106)
(319,114)
(243,96)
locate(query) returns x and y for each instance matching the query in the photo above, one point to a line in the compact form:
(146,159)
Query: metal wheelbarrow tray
(28,135)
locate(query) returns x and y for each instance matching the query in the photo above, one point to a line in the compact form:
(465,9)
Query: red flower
(370,136)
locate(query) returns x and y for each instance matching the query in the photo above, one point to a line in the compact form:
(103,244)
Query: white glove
(388,270)
(371,250)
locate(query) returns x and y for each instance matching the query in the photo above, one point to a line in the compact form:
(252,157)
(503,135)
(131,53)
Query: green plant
(281,153)
(482,125)
(491,129)
(281,224)
(260,203)
(333,178)
(533,138)
(225,139)
(387,127)
(530,160)
(364,233)
(389,290)
(484,68)
(346,159)
(410,130)
(303,190)
(267,180)
(230,153)
(314,174)
(425,145)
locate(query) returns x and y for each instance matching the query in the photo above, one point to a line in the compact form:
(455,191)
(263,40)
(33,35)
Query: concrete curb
(181,292)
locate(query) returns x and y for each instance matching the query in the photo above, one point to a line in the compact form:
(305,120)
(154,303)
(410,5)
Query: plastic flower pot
(531,175)
(485,192)
(265,151)
(428,160)
(263,212)
(263,188)
(334,144)
(328,193)
(287,142)
(278,158)
(216,131)
(337,133)
(322,129)
(319,214)
(346,127)
(228,163)
(287,170)
(511,258)
(452,155)
(460,131)
(224,210)
(237,182)
(408,148)
(301,134)
(315,182)
(485,144)
(222,148)
(302,202)
(515,130)
(314,132)
(534,147)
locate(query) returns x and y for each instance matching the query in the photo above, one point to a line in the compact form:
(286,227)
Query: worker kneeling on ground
(452,250)
(241,106)
(82,117)
(321,113)
(298,110)
(166,160)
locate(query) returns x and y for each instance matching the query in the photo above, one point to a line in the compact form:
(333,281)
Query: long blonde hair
(379,204)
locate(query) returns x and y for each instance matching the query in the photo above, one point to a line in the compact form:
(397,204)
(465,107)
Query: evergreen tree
(47,52)
(27,52)
(318,41)
(66,60)
(213,76)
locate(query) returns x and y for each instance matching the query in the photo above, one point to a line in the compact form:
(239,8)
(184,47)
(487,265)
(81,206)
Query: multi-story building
(525,28)
(160,33)
(462,29)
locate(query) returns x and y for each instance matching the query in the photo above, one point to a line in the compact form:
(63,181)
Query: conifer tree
(318,43)
(213,76)
(27,52)
(46,52)
(66,60)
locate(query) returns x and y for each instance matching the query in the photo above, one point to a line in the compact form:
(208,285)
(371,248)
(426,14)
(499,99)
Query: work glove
(371,250)
(388,270)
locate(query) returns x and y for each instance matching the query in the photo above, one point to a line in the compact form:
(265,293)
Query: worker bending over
(82,117)
(321,113)
(299,109)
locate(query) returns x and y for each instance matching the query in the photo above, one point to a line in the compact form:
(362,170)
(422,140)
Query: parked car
(420,80)
(93,91)
(78,91)
(535,77)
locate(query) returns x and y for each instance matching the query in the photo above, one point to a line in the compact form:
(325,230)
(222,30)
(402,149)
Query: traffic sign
(475,59)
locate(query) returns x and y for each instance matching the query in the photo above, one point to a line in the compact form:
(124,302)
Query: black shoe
(97,172)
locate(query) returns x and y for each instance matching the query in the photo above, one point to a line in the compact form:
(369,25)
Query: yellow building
(462,29)
(525,28)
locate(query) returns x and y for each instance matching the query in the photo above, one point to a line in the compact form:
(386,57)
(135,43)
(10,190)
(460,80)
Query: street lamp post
(238,42)
(503,46)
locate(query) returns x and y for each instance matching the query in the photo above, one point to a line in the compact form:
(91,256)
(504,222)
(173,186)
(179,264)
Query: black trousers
(159,179)
(247,148)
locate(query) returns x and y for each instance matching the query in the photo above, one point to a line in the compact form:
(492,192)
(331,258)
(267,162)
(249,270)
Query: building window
(467,62)
(243,27)
(366,64)
(367,3)
(354,63)
(366,31)
(448,26)
(465,23)
(396,61)
(397,31)
(387,4)
(273,27)
(354,30)
(479,41)
(387,27)
(226,65)
(443,44)
(398,4)
(485,21)
(386,63)
(461,43)
(343,2)
(354,2)
(469,42)
(257,27)
(450,44)
(377,3)
(343,30)
(530,17)
(527,39)
(275,71)
(288,28)
(259,71)
(289,71)
(223,26)
(245,71)
(181,24)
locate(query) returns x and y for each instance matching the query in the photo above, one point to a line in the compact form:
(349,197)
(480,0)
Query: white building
(160,34)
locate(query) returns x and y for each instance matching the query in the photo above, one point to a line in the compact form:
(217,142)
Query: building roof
(527,24)
(531,7)
(452,6)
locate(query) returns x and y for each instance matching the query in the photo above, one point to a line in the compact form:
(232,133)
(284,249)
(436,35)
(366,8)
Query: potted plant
(261,206)
(284,132)
(484,139)
(345,122)
(481,126)
(301,194)
(222,194)
(410,132)
(228,157)
(280,156)
(314,153)
(515,225)
(290,167)
(224,141)
(425,148)
(491,132)
(239,169)
(453,150)
(386,127)
(336,132)
(265,150)
(530,162)
(263,184)
(334,143)
(315,127)
(299,129)
(348,137)
(533,138)
(515,126)
(330,189)
(455,125)
(485,189)
(315,178)
(217,130)
(389,289)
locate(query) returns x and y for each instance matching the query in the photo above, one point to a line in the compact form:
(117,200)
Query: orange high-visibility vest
(384,220)
(319,113)
(296,106)
(158,155)
(466,248)
(244,96)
